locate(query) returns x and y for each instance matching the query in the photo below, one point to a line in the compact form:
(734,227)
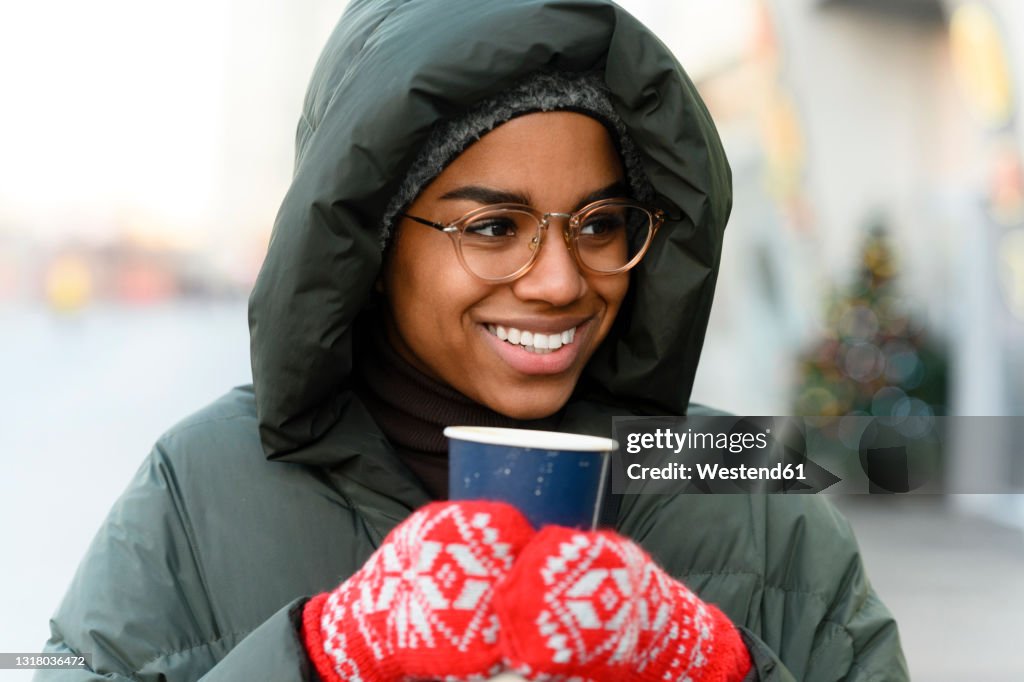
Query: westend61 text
(711,472)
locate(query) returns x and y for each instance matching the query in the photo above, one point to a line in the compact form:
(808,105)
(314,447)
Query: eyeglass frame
(570,234)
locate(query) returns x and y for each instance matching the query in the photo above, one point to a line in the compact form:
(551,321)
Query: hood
(390,70)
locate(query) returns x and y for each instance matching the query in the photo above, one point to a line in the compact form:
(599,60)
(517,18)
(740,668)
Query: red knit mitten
(595,606)
(421,605)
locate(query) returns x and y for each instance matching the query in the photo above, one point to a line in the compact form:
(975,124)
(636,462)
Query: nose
(555,277)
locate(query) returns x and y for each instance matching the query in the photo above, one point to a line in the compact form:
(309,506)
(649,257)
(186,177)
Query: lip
(555,362)
(545,325)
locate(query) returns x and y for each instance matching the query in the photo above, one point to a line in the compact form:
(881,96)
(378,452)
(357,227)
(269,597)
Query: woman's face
(445,321)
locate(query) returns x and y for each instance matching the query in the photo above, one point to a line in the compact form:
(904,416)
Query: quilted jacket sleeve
(827,618)
(865,648)
(788,572)
(138,603)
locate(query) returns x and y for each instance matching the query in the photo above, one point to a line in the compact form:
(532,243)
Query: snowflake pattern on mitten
(422,602)
(594,606)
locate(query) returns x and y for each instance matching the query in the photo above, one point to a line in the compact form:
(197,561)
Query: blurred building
(838,114)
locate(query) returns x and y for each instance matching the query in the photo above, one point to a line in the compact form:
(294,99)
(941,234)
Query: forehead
(547,156)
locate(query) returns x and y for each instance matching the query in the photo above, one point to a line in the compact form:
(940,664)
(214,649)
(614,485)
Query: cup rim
(530,438)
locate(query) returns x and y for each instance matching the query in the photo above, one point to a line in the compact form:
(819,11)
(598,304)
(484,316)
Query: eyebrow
(487,195)
(615,190)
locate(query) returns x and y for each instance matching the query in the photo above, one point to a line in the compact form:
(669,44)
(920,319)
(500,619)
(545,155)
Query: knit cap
(584,93)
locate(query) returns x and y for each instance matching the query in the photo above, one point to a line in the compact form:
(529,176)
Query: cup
(553,478)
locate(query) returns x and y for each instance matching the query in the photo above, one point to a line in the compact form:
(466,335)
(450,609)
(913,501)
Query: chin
(529,405)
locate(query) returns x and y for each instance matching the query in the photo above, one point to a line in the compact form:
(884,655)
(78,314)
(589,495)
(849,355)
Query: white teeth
(533,342)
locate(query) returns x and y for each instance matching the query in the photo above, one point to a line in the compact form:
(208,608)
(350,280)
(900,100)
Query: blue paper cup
(553,478)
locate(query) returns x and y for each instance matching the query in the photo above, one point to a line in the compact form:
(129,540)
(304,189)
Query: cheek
(415,295)
(612,291)
(427,293)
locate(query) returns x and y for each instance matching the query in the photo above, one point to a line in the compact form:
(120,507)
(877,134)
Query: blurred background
(874,264)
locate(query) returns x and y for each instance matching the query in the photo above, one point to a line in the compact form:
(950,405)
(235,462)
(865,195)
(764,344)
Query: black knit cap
(583,93)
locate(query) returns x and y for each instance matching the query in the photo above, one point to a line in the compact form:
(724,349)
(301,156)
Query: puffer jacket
(282,489)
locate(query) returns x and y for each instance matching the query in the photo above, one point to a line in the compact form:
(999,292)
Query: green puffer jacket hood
(389,72)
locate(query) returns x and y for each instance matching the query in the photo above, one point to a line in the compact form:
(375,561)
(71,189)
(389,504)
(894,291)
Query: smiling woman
(471,237)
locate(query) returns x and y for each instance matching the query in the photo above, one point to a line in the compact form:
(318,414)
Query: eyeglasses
(500,243)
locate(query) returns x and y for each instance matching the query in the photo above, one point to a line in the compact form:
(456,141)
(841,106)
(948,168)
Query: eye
(603,224)
(491,227)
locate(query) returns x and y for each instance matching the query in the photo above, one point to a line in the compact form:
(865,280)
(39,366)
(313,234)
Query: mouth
(537,342)
(543,347)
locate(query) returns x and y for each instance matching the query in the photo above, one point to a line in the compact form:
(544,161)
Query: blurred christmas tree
(875,357)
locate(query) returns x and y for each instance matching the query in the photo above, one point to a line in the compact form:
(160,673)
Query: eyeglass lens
(499,243)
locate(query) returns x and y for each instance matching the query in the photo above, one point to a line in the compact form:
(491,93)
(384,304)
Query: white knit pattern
(426,593)
(623,604)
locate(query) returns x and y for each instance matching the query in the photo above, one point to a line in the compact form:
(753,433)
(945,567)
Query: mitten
(594,606)
(421,605)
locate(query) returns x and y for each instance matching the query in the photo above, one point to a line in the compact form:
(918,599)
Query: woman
(372,327)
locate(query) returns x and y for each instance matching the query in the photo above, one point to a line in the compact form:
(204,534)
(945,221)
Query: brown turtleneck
(413,409)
